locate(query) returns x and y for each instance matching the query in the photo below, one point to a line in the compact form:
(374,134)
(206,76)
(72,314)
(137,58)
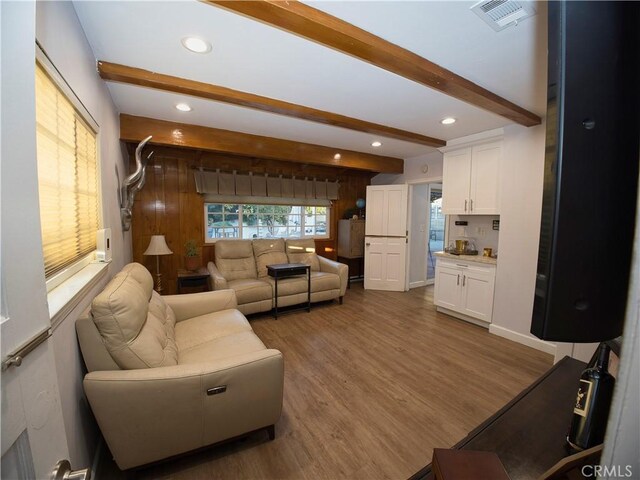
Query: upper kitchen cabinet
(471,179)
(456,182)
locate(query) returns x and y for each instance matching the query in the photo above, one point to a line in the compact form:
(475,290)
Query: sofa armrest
(219,282)
(150,414)
(196,304)
(338,268)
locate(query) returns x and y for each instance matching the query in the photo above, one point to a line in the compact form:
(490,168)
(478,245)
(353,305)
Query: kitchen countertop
(468,258)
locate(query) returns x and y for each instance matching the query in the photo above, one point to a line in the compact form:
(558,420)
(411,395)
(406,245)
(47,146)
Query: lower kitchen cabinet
(464,289)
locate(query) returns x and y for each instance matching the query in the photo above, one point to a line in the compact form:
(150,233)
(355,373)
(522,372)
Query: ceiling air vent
(500,14)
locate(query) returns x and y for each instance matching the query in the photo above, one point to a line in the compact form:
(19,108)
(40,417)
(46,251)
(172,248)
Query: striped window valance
(220,186)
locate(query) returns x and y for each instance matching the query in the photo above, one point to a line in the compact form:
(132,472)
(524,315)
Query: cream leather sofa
(171,374)
(241,265)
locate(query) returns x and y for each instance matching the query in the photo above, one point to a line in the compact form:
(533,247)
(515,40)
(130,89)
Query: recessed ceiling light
(183,107)
(337,156)
(196,45)
(448,121)
(376,144)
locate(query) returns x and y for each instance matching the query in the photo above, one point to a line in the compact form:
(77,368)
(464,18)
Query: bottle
(591,410)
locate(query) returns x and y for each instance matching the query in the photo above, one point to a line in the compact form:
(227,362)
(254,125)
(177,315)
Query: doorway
(426,231)
(435,229)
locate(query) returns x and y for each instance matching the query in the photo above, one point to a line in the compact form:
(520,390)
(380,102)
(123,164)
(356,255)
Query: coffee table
(284,270)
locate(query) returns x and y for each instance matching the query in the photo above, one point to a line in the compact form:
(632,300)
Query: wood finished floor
(371,387)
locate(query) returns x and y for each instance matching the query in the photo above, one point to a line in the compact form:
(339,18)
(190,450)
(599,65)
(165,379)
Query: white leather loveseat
(171,374)
(242,266)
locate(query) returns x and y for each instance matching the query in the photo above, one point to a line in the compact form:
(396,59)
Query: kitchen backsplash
(479,230)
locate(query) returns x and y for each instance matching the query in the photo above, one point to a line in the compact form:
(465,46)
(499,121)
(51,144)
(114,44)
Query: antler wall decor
(133,184)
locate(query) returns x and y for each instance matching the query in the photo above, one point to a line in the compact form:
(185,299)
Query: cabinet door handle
(464,278)
(458,281)
(465,205)
(367,244)
(471,204)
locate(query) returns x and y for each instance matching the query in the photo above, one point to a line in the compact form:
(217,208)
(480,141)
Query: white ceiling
(253,57)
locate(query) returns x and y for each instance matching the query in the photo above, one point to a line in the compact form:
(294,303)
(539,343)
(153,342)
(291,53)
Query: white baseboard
(419,283)
(541,345)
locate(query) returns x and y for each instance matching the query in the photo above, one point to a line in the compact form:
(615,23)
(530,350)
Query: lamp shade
(157,246)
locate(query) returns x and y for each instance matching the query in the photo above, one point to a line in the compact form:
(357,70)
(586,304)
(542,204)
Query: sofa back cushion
(136,325)
(234,259)
(268,251)
(303,251)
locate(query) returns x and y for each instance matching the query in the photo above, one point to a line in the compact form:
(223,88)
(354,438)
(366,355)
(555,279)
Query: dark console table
(528,434)
(283,270)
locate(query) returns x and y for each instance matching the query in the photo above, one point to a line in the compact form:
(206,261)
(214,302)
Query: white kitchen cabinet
(447,291)
(456,182)
(465,289)
(471,180)
(477,292)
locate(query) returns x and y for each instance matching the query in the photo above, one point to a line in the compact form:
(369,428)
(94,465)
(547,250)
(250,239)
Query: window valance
(269,188)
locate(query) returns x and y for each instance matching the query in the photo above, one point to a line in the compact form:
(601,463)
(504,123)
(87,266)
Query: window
(264,221)
(67,176)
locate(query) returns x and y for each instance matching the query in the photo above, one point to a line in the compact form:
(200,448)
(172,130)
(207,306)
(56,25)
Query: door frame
(411,184)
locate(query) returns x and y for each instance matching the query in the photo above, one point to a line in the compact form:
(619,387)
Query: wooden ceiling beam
(134,129)
(145,78)
(300,19)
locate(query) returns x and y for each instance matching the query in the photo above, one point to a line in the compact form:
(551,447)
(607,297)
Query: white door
(385,263)
(477,293)
(385,256)
(375,220)
(447,291)
(33,434)
(387,210)
(485,184)
(396,203)
(456,176)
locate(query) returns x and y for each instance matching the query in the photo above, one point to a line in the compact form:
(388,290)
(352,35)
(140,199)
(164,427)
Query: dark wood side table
(529,433)
(192,282)
(284,270)
(356,267)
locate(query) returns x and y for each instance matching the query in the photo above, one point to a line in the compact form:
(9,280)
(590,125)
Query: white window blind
(67,177)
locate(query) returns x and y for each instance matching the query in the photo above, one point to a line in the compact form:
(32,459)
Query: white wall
(622,443)
(418,234)
(30,397)
(520,213)
(414,170)
(479,228)
(61,36)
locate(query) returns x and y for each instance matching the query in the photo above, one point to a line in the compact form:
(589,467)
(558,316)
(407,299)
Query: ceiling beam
(312,24)
(135,129)
(145,78)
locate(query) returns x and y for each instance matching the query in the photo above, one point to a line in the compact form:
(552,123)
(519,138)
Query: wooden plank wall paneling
(168,203)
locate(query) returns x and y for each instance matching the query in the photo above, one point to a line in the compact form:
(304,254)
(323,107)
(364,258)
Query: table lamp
(158,246)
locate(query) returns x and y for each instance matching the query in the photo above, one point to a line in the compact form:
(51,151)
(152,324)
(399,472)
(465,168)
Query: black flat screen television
(591,171)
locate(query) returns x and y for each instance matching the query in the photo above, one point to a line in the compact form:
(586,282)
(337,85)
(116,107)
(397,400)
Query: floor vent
(500,14)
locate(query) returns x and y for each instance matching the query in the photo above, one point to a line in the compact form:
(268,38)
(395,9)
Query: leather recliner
(241,265)
(170,374)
